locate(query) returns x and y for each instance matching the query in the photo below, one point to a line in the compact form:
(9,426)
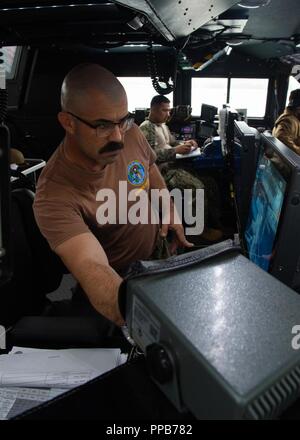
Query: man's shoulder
(52,163)
(287,116)
(136,133)
(146,125)
(53,179)
(293,118)
(149,131)
(137,140)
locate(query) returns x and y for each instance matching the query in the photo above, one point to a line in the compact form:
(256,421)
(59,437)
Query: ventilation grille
(278,397)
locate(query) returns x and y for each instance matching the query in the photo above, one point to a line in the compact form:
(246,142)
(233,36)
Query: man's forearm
(101,284)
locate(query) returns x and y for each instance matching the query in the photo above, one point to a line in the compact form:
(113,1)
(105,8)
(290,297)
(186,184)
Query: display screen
(187,129)
(267,199)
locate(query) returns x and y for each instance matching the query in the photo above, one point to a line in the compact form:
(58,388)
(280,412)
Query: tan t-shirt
(65,203)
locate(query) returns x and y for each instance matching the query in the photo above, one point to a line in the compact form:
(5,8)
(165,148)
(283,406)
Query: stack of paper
(15,400)
(194,153)
(55,368)
(31,376)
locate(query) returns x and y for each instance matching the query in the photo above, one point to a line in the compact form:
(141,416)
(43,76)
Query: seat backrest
(37,270)
(208,113)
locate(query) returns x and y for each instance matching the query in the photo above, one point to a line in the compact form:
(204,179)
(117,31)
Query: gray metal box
(227,325)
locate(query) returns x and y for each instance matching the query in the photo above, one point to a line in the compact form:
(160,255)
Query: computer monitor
(272,232)
(187,131)
(245,151)
(208,113)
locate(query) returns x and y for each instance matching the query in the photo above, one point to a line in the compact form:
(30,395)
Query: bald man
(102,147)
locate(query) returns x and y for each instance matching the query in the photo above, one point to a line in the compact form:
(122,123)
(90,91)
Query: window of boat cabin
(212,91)
(250,93)
(14,62)
(11,55)
(140,91)
(293,85)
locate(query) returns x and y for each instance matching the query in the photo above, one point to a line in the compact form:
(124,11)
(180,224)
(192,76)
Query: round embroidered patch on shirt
(136,173)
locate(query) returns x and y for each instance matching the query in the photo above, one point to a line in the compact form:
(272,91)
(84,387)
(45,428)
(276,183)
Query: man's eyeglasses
(105,128)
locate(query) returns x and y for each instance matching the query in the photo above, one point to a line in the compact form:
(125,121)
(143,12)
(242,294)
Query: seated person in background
(287,126)
(166,147)
(101,149)
(158,134)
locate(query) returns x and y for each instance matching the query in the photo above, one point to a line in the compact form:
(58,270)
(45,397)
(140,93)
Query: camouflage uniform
(287,130)
(178,177)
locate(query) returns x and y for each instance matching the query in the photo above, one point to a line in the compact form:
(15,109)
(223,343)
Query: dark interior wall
(36,118)
(34,124)
(52,65)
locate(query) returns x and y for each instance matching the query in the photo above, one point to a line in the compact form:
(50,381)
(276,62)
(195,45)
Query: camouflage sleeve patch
(149,132)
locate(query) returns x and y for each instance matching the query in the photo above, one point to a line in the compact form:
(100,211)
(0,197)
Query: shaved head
(86,80)
(91,96)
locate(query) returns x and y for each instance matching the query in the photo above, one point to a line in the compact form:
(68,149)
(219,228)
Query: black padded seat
(36,269)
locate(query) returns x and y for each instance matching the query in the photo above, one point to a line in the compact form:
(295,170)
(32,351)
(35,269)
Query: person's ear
(67,122)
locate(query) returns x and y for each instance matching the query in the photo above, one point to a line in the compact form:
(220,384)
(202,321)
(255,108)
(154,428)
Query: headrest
(16,156)
(208,112)
(181,113)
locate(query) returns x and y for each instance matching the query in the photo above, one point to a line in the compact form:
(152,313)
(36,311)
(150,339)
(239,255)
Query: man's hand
(192,143)
(183,148)
(175,225)
(186,147)
(173,222)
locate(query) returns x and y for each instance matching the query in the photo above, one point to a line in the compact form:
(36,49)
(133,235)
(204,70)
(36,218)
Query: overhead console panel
(178,18)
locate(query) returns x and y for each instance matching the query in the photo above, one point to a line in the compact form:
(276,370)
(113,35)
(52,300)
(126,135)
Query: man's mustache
(111,146)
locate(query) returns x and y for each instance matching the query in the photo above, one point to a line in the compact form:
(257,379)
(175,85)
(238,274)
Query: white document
(56,368)
(92,356)
(194,153)
(22,350)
